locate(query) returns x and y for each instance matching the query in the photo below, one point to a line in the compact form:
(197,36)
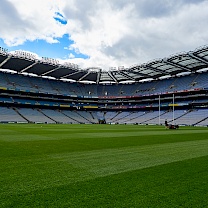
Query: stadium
(44,91)
(124,157)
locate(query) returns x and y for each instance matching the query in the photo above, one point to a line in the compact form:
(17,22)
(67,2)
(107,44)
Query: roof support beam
(80,79)
(98,76)
(68,75)
(177,65)
(139,73)
(125,75)
(3,62)
(156,70)
(52,70)
(25,69)
(198,58)
(111,75)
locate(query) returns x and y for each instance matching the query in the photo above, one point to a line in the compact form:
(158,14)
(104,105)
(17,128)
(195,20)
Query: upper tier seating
(37,84)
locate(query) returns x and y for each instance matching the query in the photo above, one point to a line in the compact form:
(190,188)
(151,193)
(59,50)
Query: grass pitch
(103,166)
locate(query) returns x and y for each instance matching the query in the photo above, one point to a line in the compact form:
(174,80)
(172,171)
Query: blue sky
(43,49)
(103,33)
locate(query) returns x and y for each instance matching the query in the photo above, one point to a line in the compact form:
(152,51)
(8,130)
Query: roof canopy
(24,62)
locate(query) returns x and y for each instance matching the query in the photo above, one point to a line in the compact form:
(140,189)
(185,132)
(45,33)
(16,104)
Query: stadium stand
(9,115)
(173,89)
(76,117)
(34,116)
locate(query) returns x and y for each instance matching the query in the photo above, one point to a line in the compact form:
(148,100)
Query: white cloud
(110,33)
(29,20)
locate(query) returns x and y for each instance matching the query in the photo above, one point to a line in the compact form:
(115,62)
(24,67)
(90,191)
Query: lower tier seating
(195,117)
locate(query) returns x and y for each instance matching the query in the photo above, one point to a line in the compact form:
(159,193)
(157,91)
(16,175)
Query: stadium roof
(22,62)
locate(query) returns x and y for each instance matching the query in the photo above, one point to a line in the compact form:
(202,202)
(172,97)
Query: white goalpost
(159,110)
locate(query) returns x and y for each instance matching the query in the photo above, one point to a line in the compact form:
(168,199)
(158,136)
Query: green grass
(103,166)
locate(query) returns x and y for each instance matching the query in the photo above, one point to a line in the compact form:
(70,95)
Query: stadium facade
(44,91)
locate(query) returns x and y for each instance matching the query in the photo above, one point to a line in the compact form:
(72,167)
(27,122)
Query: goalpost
(173,121)
(159,121)
(159,109)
